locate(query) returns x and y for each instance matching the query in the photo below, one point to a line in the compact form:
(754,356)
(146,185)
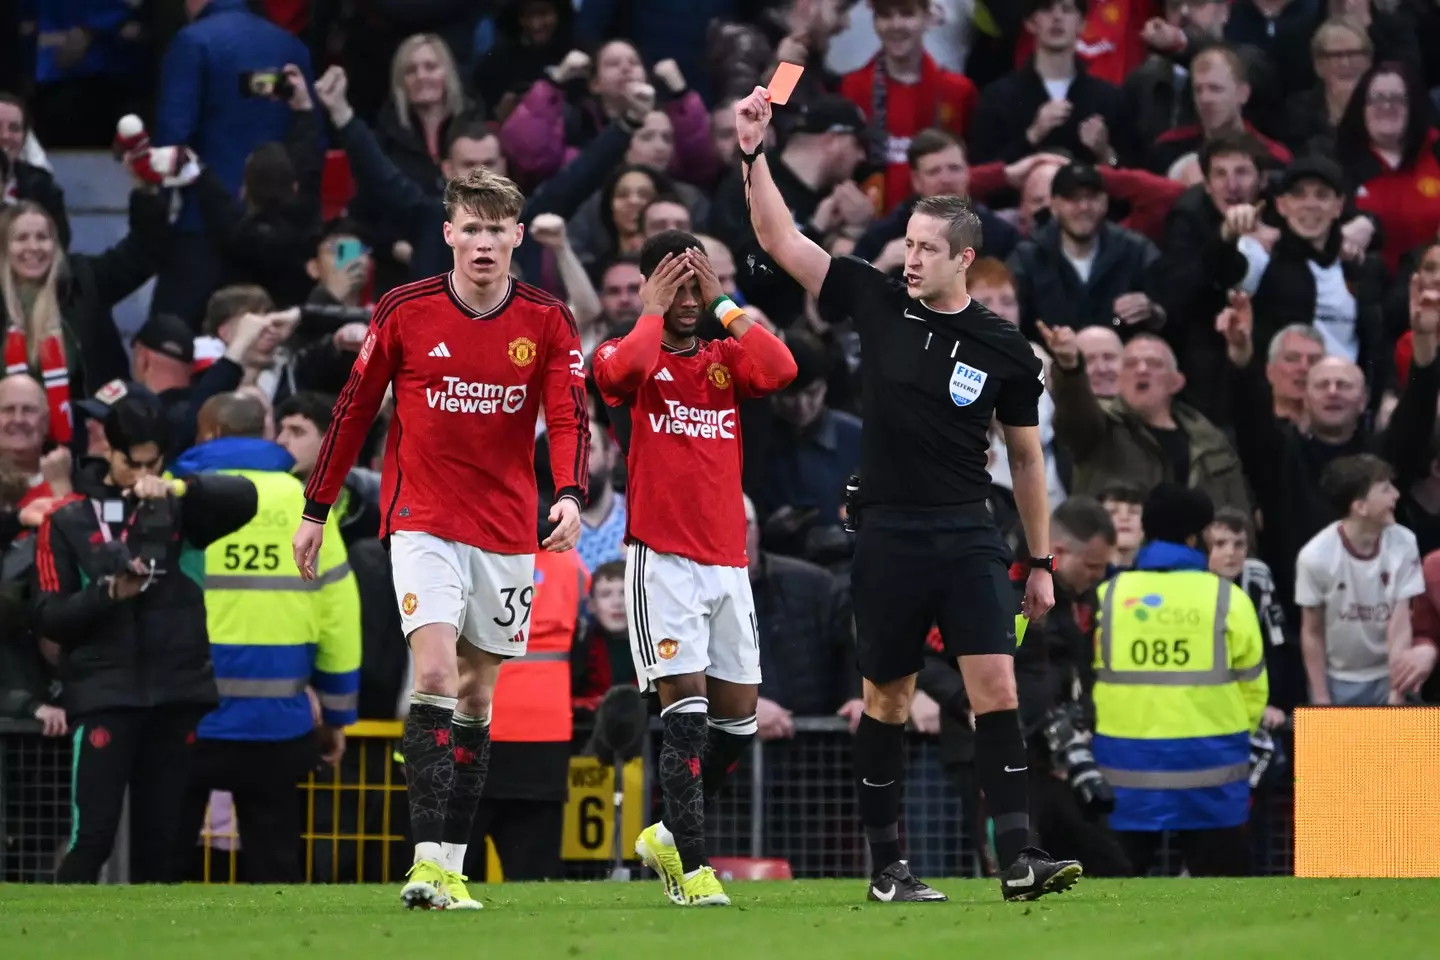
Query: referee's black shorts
(915,568)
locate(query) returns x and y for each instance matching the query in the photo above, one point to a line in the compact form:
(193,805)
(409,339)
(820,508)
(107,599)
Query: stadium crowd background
(1134,162)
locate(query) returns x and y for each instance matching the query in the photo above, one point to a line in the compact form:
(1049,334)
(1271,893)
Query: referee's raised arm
(774,225)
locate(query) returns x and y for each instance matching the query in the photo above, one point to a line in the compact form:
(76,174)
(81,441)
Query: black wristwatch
(1043,563)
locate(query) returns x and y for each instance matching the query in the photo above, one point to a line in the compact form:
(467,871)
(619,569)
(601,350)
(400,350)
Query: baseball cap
(830,114)
(1312,167)
(1075,177)
(112,393)
(168,334)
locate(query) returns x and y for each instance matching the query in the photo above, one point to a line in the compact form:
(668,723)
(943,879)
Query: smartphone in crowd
(347,251)
(272,84)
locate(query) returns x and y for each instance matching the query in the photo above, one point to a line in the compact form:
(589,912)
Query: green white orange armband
(725,311)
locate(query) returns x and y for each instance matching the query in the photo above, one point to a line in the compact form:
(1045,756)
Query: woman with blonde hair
(426,95)
(57,308)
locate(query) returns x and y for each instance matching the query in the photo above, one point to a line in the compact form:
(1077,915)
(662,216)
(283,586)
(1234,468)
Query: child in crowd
(1353,583)
(1126,502)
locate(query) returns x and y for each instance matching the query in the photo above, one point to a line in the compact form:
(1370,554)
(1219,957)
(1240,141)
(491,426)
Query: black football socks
(470,750)
(728,741)
(429,771)
(1001,764)
(879,772)
(681,782)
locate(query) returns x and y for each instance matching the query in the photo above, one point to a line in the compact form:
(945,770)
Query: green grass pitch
(1272,919)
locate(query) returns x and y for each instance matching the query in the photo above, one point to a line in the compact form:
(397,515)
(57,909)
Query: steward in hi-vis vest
(275,640)
(1180,686)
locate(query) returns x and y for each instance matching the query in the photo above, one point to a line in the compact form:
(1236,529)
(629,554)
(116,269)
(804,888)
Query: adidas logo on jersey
(665,375)
(440,350)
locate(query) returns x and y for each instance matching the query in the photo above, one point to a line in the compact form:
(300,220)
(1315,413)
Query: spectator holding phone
(222,93)
(321,353)
(268,237)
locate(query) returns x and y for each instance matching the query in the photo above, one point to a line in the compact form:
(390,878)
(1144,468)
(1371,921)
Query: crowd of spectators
(1217,222)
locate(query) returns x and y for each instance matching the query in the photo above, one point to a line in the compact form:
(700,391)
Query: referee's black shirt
(931,383)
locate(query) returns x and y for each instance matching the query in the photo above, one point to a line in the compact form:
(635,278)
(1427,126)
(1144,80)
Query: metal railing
(790,799)
(35,782)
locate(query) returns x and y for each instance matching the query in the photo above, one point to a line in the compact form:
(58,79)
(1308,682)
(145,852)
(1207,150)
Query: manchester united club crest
(522,351)
(99,738)
(1429,187)
(719,375)
(409,604)
(668,648)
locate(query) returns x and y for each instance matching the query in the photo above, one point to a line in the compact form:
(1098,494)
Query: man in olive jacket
(1142,436)
(135,655)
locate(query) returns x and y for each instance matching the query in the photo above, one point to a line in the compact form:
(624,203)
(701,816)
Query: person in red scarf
(902,91)
(1390,153)
(56,309)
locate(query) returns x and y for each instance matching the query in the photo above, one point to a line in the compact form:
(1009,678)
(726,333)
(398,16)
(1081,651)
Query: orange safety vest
(532,697)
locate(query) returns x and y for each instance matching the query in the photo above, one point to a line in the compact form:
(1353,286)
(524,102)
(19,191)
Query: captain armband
(726,311)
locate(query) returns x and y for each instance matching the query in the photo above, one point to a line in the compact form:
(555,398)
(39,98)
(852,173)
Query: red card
(782,84)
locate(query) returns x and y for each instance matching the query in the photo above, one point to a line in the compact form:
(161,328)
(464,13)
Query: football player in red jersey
(467,353)
(693,631)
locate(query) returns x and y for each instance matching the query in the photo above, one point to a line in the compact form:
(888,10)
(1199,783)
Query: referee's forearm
(768,213)
(1027,476)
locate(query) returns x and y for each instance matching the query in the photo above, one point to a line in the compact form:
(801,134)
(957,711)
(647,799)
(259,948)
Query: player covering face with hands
(938,368)
(471,355)
(692,622)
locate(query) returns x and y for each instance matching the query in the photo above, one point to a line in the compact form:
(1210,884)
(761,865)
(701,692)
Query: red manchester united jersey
(683,490)
(460,456)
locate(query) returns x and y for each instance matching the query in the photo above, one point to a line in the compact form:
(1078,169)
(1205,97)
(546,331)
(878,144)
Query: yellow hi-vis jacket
(1180,686)
(273,634)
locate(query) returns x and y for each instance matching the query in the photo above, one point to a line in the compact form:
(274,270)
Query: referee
(937,367)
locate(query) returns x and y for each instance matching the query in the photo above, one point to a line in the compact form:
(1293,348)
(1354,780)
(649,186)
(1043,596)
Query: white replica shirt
(1358,594)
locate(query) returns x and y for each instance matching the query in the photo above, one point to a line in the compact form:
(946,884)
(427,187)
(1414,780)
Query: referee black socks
(879,772)
(1001,765)
(681,748)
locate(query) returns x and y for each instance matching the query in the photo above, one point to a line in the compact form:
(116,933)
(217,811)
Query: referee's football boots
(1034,874)
(896,884)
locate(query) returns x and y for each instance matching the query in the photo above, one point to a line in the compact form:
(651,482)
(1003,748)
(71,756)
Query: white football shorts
(688,617)
(485,596)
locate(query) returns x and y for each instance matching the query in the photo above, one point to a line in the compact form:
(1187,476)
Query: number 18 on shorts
(687,617)
(485,596)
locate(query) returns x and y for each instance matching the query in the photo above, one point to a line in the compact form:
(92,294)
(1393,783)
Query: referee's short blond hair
(487,195)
